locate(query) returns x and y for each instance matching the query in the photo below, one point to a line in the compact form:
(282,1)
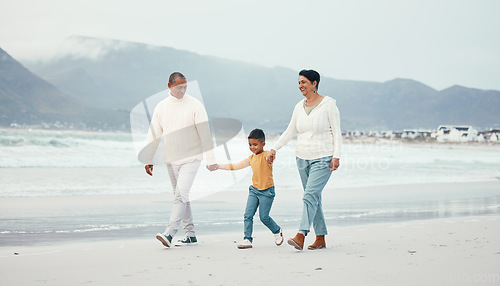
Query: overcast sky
(439,43)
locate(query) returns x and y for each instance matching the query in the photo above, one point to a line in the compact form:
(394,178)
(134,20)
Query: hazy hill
(27,99)
(117,74)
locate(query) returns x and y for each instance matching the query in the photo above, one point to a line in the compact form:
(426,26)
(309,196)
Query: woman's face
(305,86)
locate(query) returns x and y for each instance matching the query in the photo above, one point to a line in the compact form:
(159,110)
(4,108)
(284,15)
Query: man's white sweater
(183,126)
(319,132)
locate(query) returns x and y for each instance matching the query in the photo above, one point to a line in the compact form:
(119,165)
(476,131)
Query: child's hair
(257,134)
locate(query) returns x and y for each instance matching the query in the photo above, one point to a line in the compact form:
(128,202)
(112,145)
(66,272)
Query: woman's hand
(271,156)
(334,164)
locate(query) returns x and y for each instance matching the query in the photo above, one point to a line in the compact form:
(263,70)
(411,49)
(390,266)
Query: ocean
(376,182)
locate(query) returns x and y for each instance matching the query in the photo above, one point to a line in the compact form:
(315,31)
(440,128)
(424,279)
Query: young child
(261,192)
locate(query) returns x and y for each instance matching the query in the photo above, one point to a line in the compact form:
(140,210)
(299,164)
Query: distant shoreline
(364,139)
(370,139)
(87,131)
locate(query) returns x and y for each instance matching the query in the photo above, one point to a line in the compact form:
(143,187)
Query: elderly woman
(319,143)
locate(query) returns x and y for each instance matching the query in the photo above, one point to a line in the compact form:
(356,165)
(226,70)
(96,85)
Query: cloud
(361,40)
(84,47)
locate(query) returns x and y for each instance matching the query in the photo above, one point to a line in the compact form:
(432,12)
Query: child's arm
(233,167)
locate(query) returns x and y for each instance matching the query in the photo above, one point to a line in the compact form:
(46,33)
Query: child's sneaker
(278,238)
(165,240)
(189,240)
(245,244)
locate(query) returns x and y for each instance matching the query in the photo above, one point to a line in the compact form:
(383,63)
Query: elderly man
(182,121)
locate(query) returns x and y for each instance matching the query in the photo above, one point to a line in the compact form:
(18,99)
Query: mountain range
(27,99)
(116,75)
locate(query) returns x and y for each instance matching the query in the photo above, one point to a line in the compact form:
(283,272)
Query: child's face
(256,146)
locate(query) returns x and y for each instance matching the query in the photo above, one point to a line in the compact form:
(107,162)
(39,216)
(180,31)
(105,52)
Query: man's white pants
(182,178)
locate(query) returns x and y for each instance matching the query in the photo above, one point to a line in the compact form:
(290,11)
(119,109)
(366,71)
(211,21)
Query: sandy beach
(459,251)
(54,219)
(450,241)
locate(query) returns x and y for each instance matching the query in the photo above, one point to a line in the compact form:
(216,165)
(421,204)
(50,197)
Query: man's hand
(271,156)
(334,164)
(212,167)
(149,169)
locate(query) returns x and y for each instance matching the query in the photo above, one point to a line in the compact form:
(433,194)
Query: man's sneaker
(245,244)
(165,240)
(189,240)
(278,238)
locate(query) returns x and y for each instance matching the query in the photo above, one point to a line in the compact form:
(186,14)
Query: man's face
(178,88)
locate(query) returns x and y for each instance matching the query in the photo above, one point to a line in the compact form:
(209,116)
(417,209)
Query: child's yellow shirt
(262,171)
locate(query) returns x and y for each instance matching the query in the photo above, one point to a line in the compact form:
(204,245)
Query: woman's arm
(334,118)
(289,133)
(233,167)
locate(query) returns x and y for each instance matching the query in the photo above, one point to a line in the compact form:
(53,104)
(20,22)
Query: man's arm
(203,129)
(152,141)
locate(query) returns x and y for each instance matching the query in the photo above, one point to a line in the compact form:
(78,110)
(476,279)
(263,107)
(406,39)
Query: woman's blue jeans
(314,175)
(262,200)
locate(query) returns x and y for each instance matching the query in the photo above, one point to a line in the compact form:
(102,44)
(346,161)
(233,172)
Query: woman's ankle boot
(297,241)
(318,243)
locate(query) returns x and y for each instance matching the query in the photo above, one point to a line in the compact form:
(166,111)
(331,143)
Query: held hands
(271,156)
(149,168)
(212,167)
(334,164)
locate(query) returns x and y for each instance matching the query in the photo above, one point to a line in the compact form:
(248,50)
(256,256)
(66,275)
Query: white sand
(459,251)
